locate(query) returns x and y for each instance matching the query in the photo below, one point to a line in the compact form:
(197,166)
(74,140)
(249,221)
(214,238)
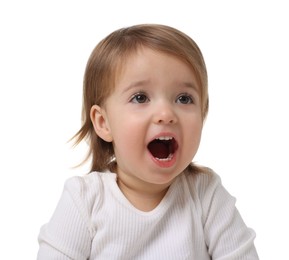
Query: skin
(155,95)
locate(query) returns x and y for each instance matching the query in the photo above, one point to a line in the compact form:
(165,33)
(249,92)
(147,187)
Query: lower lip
(164,164)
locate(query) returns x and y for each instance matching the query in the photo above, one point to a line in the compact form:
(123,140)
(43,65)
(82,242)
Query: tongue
(159,149)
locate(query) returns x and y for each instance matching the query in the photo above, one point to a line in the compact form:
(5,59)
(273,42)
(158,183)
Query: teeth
(164,138)
(165,159)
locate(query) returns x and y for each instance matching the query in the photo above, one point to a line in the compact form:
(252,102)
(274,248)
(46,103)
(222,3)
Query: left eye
(185,99)
(139,98)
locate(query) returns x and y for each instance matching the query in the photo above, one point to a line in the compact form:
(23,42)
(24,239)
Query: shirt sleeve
(68,234)
(227,236)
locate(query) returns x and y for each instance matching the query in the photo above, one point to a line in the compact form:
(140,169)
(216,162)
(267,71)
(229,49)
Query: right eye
(139,98)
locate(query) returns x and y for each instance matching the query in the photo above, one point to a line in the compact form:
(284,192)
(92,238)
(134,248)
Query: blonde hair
(106,60)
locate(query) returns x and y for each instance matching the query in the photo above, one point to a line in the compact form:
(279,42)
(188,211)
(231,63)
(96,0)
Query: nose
(164,113)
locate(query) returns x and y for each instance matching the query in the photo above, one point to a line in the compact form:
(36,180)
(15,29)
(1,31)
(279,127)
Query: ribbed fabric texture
(197,219)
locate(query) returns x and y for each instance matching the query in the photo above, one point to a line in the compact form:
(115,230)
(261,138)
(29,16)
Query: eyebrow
(190,85)
(141,83)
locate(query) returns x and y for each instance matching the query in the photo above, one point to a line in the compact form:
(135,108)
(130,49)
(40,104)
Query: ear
(99,120)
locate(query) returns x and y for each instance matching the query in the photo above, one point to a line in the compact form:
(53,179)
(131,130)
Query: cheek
(128,137)
(124,139)
(195,131)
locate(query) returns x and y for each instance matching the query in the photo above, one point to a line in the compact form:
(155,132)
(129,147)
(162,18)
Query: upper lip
(165,136)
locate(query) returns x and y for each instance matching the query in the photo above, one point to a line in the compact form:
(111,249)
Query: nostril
(163,121)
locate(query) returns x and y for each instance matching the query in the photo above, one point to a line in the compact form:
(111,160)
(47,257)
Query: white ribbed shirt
(197,219)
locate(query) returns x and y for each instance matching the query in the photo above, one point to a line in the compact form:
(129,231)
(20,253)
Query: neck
(143,198)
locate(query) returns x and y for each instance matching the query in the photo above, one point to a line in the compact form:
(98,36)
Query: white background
(44,47)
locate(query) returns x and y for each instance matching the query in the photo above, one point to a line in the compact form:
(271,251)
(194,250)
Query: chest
(173,231)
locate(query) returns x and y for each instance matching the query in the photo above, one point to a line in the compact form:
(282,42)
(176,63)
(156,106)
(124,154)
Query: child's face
(153,117)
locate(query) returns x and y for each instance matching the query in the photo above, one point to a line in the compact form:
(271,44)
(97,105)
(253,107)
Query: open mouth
(163,148)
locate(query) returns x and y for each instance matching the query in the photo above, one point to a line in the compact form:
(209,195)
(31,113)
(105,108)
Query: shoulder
(88,184)
(83,185)
(87,191)
(207,190)
(202,180)
(226,234)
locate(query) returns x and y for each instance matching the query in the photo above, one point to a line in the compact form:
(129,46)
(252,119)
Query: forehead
(145,64)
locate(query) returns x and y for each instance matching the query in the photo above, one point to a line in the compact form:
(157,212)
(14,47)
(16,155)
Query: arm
(67,235)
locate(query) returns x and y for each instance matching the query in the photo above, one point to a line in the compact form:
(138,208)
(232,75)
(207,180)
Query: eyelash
(140,98)
(134,98)
(189,99)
